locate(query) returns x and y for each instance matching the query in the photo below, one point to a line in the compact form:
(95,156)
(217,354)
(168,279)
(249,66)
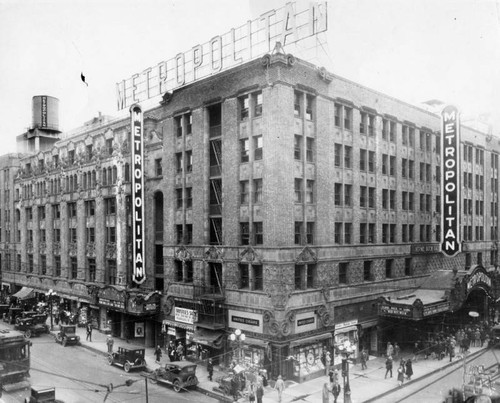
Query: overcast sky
(412,50)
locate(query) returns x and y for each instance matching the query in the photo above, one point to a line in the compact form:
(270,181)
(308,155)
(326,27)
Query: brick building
(281,200)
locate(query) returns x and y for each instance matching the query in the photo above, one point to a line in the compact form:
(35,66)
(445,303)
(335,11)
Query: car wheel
(126,367)
(177,386)
(27,334)
(110,359)
(64,342)
(191,380)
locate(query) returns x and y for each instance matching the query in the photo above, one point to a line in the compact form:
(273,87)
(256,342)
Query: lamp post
(50,296)
(346,349)
(238,338)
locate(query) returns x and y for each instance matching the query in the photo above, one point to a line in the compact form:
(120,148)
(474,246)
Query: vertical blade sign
(139,266)
(450,219)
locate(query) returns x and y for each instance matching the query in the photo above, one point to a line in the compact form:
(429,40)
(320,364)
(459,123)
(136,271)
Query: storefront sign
(171,331)
(139,268)
(289,25)
(478,278)
(342,325)
(305,322)
(433,309)
(151,307)
(245,321)
(398,311)
(139,329)
(112,304)
(451,174)
(186,315)
(425,248)
(44,112)
(172,324)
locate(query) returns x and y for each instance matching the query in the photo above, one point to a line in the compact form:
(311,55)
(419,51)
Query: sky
(414,50)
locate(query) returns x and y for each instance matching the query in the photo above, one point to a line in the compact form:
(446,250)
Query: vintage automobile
(67,335)
(31,327)
(128,358)
(11,316)
(179,374)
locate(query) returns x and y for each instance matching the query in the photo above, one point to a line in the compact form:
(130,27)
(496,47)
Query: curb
(214,395)
(426,375)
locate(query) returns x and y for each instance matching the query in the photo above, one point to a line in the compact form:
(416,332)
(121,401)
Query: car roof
(181,364)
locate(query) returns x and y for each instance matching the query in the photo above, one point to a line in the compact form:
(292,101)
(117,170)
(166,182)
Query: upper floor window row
(250,105)
(303,105)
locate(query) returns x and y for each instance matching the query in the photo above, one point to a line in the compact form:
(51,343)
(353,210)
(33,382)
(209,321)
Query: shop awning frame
(211,338)
(306,340)
(25,293)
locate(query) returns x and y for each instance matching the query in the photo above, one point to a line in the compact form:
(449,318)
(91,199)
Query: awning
(255,342)
(415,305)
(346,329)
(310,340)
(207,337)
(25,293)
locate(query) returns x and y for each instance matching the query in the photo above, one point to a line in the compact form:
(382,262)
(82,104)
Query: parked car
(67,335)
(179,374)
(31,327)
(12,315)
(128,358)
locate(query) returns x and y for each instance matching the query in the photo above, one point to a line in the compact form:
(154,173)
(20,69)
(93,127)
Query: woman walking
(409,369)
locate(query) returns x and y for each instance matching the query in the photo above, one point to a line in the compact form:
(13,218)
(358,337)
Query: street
(81,376)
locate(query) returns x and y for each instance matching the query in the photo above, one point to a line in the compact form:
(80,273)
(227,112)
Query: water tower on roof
(44,130)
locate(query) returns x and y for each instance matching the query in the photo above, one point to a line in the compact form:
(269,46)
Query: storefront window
(341,337)
(307,359)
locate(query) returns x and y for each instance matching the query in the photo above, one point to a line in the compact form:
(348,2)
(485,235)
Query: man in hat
(210,369)
(280,387)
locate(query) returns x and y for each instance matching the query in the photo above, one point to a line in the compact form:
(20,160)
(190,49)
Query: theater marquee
(451,174)
(290,24)
(138,238)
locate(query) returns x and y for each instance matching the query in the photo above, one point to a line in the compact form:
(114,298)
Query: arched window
(110,176)
(114,174)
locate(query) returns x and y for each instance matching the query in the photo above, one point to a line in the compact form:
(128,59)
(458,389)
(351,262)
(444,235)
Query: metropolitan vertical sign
(450,157)
(138,238)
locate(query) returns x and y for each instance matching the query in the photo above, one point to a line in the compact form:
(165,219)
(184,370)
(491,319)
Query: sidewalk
(366,385)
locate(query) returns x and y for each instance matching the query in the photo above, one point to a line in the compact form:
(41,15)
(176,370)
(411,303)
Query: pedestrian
(171,351)
(158,354)
(210,369)
(388,366)
(280,387)
(364,358)
(259,393)
(390,350)
(251,393)
(416,351)
(234,388)
(180,351)
(397,350)
(336,392)
(328,361)
(109,343)
(401,376)
(409,369)
(326,392)
(89,331)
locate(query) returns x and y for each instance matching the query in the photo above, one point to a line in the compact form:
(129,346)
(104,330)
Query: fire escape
(211,313)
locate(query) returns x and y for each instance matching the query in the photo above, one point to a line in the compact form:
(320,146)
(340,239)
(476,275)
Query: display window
(307,359)
(340,338)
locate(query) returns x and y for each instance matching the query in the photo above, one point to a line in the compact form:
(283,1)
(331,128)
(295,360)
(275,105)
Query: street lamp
(346,349)
(50,296)
(238,337)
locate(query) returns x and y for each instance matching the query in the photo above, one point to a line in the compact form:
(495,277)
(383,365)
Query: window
(338,155)
(298,147)
(309,191)
(362,233)
(385,233)
(244,233)
(385,128)
(92,269)
(244,276)
(404,233)
(257,190)
(371,233)
(305,276)
(371,161)
(362,122)
(411,136)
(371,125)
(408,266)
(178,162)
(73,268)
(43,264)
(244,190)
(298,232)
(298,190)
(178,197)
(309,233)
(347,195)
(347,118)
(392,200)
(362,160)
(111,271)
(347,233)
(257,147)
(309,149)
(57,264)
(57,235)
(158,167)
(385,164)
(371,197)
(385,198)
(179,231)
(347,157)
(90,234)
(367,270)
(388,268)
(404,130)
(392,165)
(362,196)
(338,194)
(109,146)
(71,157)
(244,107)
(404,167)
(411,169)
(257,97)
(109,206)
(338,113)
(29,214)
(392,132)
(189,197)
(71,210)
(245,150)
(258,233)
(309,107)
(41,213)
(111,234)
(89,208)
(438,144)
(297,104)
(338,233)
(343,268)
(258,277)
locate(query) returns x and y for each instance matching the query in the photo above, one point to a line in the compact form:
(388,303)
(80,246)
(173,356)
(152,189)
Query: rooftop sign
(288,25)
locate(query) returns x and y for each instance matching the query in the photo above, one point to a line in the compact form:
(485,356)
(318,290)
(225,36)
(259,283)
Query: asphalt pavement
(367,385)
